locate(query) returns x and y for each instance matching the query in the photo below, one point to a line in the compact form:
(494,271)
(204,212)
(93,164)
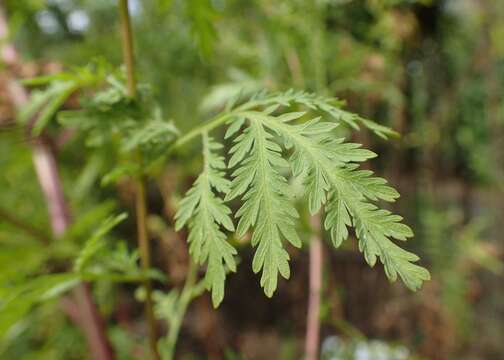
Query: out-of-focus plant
(426,68)
(456,252)
(277,135)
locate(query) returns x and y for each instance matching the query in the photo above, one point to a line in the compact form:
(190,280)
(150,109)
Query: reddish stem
(315,284)
(89,318)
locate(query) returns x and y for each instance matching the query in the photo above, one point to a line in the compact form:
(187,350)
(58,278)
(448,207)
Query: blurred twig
(189,292)
(312,339)
(141,201)
(315,285)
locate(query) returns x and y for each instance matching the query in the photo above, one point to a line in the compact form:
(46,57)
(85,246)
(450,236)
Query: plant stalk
(198,131)
(127,47)
(312,339)
(141,200)
(189,292)
(315,285)
(89,318)
(220,120)
(145,259)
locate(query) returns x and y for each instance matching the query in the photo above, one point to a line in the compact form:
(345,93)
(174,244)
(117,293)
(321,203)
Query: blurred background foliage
(432,70)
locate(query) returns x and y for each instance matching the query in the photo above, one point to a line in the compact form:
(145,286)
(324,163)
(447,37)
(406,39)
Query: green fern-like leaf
(206,213)
(266,205)
(329,167)
(376,227)
(331,171)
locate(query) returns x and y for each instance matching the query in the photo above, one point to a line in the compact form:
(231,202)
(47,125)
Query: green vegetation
(151,150)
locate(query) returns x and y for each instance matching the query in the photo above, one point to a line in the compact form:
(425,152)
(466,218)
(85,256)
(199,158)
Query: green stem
(143,244)
(198,131)
(127,46)
(312,339)
(141,201)
(189,292)
(218,121)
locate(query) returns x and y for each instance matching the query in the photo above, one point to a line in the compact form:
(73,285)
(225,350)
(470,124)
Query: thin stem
(189,292)
(127,46)
(90,320)
(93,323)
(205,128)
(316,250)
(221,119)
(315,284)
(143,244)
(211,124)
(141,200)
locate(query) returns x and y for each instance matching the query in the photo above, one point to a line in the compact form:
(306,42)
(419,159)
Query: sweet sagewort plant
(264,130)
(243,188)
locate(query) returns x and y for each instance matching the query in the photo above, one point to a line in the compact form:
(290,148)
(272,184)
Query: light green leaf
(206,215)
(331,170)
(266,205)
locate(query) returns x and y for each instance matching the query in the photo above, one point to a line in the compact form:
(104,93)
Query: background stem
(315,284)
(141,200)
(312,339)
(189,292)
(127,47)
(143,244)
